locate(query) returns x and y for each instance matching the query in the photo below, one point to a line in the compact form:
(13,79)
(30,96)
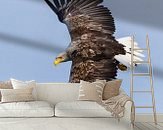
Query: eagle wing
(83,15)
(93,47)
(88,22)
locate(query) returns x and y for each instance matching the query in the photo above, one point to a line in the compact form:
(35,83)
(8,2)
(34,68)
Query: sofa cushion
(17,84)
(16,95)
(111,89)
(5,85)
(26,109)
(91,91)
(80,109)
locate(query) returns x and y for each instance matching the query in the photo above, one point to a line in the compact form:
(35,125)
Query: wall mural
(94,51)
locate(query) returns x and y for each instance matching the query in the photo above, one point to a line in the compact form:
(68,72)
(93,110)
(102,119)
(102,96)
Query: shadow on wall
(145,12)
(30,43)
(158,72)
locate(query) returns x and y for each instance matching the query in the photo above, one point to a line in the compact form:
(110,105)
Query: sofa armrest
(127,118)
(128,110)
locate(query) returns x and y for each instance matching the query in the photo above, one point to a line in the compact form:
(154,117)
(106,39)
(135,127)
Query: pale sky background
(31,36)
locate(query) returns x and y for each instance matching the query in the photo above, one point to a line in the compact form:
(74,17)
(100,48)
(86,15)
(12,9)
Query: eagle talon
(122,67)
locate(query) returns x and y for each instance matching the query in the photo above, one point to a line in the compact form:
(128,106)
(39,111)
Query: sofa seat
(80,109)
(26,109)
(55,123)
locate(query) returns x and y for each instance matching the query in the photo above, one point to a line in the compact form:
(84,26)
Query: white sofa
(68,93)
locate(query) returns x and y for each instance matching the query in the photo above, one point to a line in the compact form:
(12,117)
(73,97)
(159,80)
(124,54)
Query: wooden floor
(148,126)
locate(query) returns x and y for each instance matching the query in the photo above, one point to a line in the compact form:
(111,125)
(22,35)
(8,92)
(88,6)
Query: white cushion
(16,95)
(91,91)
(26,109)
(80,109)
(17,84)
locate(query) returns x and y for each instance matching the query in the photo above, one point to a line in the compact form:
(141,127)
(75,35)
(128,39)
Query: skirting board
(148,117)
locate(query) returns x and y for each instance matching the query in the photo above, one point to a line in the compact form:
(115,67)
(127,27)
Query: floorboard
(151,127)
(156,126)
(148,126)
(161,124)
(141,126)
(136,128)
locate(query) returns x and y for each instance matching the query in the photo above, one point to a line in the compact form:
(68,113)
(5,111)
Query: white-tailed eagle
(94,51)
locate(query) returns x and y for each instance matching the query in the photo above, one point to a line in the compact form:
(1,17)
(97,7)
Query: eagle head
(62,57)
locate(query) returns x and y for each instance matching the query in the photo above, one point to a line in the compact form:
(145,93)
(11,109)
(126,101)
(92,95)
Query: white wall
(31,36)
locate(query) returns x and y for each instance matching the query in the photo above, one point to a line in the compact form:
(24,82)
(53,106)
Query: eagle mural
(94,51)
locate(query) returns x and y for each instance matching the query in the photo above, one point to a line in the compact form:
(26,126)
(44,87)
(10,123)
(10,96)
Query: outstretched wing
(83,16)
(93,46)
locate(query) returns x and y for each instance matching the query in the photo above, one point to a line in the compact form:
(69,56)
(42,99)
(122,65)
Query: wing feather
(52,6)
(68,1)
(56,2)
(84,12)
(90,3)
(71,6)
(82,3)
(63,3)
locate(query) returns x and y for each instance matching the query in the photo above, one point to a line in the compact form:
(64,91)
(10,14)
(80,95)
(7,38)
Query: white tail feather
(126,59)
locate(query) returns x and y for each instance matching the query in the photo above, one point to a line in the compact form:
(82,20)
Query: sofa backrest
(57,92)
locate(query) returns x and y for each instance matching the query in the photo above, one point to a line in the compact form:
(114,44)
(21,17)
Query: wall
(31,36)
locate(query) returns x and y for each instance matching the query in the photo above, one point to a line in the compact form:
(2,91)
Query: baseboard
(148,117)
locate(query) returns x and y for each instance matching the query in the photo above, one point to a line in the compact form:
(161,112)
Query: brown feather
(93,45)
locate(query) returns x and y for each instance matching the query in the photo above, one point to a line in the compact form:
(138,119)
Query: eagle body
(93,50)
(94,57)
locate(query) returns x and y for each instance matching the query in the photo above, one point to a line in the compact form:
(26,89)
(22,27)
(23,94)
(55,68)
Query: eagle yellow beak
(57,61)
